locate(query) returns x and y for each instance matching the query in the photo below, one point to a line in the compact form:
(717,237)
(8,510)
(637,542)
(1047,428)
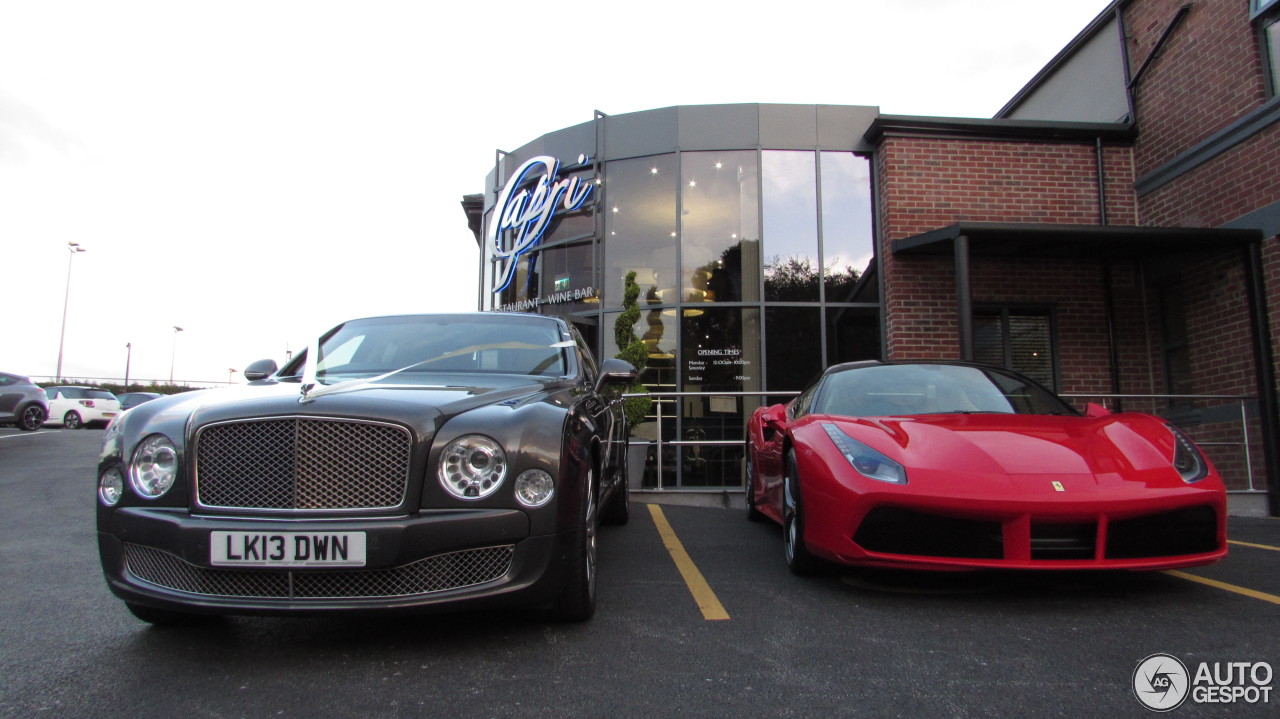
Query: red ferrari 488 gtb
(963,466)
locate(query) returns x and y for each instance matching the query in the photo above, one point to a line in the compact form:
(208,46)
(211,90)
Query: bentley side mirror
(261,369)
(615,371)
(1094,410)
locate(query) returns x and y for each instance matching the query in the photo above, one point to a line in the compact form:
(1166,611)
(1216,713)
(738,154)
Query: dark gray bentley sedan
(411,463)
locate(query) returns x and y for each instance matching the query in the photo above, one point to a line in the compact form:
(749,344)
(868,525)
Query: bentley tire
(577,602)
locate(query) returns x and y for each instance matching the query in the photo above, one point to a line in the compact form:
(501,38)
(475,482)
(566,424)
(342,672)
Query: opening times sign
(718,366)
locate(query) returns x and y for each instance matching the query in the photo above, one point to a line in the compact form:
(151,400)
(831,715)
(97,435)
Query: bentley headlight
(1187,460)
(111,487)
(867,461)
(154,467)
(472,467)
(534,488)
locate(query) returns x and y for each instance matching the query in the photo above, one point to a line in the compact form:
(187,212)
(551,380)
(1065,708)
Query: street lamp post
(128,358)
(174,356)
(231,373)
(73,248)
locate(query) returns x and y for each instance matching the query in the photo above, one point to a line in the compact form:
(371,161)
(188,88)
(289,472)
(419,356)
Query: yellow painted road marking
(1223,585)
(711,608)
(1255,546)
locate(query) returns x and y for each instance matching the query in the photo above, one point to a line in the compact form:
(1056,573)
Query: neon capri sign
(532,198)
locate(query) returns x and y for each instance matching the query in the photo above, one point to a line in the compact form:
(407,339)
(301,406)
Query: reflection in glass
(720,352)
(659,331)
(794,346)
(791,264)
(719,227)
(567,269)
(639,206)
(846,222)
(853,333)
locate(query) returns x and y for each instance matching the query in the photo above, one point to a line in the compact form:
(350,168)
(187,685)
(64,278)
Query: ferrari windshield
(912,389)
(435,343)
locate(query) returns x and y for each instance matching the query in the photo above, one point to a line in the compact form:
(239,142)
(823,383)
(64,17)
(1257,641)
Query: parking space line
(1255,594)
(711,608)
(1255,546)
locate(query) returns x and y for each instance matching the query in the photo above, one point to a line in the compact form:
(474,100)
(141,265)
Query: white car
(77,407)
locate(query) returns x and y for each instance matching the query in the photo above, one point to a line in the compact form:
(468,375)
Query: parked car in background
(133,399)
(22,403)
(77,407)
(944,466)
(408,463)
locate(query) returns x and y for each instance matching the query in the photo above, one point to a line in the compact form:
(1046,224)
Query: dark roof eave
(998,129)
(1045,240)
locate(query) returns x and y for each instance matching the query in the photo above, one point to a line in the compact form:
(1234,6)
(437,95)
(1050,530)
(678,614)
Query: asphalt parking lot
(698,616)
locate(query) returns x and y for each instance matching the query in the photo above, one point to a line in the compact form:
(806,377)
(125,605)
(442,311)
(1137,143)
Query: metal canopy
(999,239)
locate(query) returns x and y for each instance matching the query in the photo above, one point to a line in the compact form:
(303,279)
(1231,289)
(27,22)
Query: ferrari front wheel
(799,559)
(753,512)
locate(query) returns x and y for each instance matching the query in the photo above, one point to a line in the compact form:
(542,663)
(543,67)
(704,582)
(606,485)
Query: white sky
(256,172)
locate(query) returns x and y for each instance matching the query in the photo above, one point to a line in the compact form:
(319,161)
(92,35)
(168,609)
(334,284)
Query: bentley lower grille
(302,464)
(439,573)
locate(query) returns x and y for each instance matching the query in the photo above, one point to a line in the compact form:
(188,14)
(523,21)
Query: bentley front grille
(302,464)
(439,573)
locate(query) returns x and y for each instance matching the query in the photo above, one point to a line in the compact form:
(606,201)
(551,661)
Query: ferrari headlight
(1187,460)
(865,460)
(472,467)
(154,467)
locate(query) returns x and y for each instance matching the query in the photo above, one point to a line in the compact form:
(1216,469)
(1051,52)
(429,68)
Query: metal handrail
(667,397)
(679,442)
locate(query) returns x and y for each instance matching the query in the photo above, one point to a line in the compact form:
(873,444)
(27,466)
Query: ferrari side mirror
(775,417)
(1095,411)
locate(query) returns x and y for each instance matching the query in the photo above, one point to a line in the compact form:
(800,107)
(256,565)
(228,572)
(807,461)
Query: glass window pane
(720,352)
(566,277)
(719,229)
(791,263)
(794,350)
(1272,35)
(853,333)
(847,239)
(640,224)
(659,331)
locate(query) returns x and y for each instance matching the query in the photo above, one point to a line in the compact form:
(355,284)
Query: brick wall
(1208,74)
(929,182)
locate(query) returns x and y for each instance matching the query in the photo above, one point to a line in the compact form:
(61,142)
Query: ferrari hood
(1020,444)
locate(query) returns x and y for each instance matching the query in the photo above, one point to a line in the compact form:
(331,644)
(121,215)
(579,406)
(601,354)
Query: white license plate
(287,549)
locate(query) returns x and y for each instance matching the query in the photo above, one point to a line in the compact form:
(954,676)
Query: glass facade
(747,262)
